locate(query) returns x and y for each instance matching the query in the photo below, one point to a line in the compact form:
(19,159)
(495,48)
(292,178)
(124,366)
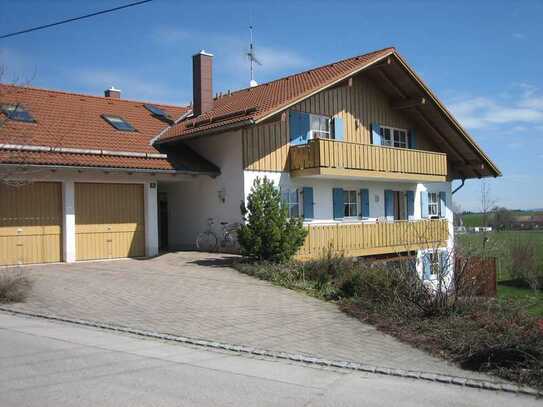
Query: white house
(360,148)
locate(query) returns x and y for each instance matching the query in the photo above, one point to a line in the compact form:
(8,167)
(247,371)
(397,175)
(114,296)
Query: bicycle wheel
(206,242)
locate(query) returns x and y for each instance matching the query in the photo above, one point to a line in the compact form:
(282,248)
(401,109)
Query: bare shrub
(14,286)
(523,258)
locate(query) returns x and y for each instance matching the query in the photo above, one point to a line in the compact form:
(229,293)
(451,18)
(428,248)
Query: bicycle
(208,241)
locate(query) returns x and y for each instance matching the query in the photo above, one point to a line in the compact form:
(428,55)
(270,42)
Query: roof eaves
(449,116)
(207,132)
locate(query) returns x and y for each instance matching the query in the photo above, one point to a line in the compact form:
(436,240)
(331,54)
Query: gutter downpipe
(459,187)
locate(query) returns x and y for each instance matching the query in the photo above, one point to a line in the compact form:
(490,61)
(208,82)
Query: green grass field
(497,246)
(476,219)
(534,301)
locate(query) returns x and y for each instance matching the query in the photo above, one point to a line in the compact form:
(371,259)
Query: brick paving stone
(197,295)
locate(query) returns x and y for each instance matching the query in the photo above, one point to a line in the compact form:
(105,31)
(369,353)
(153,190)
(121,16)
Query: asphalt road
(45,363)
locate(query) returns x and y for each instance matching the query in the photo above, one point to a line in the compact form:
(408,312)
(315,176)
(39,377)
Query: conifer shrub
(267,233)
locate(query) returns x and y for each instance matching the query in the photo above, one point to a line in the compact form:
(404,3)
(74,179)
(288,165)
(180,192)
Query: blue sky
(483,59)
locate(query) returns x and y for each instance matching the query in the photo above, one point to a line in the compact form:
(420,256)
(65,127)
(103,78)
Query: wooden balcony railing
(364,239)
(331,157)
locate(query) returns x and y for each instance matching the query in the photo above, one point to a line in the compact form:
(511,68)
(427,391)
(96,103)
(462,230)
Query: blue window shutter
(298,127)
(308,202)
(337,201)
(389,203)
(442,204)
(339,128)
(410,203)
(412,140)
(375,134)
(426,266)
(424,204)
(364,203)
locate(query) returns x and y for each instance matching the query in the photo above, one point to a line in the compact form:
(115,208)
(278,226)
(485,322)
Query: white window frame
(315,133)
(434,207)
(393,142)
(291,203)
(348,203)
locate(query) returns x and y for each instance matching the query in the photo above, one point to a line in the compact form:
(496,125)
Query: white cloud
(132,87)
(481,112)
(519,36)
(231,53)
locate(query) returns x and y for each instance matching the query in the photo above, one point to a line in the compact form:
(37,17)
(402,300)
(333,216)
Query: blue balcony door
(298,127)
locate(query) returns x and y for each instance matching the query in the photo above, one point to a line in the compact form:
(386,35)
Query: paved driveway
(198,295)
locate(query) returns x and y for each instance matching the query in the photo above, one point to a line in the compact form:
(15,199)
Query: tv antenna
(252,58)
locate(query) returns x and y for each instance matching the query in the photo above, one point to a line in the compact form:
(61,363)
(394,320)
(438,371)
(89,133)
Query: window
(393,137)
(433,204)
(118,122)
(159,113)
(291,200)
(319,126)
(18,113)
(349,203)
(434,259)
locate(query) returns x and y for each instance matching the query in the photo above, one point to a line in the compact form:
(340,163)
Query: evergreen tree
(267,232)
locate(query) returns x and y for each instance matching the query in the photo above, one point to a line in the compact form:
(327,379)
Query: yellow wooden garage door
(109,221)
(30,223)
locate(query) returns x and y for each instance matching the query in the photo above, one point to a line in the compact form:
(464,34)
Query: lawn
(534,301)
(497,246)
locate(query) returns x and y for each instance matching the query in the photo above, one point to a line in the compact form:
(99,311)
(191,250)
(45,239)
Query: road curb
(300,358)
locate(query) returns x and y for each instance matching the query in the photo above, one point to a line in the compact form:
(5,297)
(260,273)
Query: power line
(69,20)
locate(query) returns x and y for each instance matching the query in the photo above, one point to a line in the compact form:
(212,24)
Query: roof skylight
(118,122)
(159,113)
(18,113)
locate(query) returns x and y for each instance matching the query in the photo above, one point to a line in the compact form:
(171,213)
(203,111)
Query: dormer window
(118,122)
(18,113)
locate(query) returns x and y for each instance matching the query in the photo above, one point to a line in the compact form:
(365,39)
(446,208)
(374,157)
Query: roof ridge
(311,69)
(92,96)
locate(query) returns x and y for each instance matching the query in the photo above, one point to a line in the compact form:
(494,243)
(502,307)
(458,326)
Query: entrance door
(163,221)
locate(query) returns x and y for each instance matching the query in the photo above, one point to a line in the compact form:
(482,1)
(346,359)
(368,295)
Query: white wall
(191,203)
(322,192)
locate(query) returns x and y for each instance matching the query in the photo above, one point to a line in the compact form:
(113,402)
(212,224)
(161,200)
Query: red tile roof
(259,101)
(74,121)
(83,160)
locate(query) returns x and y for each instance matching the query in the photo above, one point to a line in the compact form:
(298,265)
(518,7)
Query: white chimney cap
(113,89)
(203,52)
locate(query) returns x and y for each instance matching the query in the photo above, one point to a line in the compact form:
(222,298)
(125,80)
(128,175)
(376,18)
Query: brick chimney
(202,83)
(112,93)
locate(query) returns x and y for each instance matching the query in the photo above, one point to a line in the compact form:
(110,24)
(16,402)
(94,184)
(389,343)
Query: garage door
(109,221)
(30,223)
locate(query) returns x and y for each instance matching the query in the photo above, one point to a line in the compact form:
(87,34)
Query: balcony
(367,239)
(338,159)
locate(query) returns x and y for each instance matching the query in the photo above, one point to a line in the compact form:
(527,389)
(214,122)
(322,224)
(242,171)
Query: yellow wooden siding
(364,239)
(109,221)
(323,153)
(265,146)
(30,223)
